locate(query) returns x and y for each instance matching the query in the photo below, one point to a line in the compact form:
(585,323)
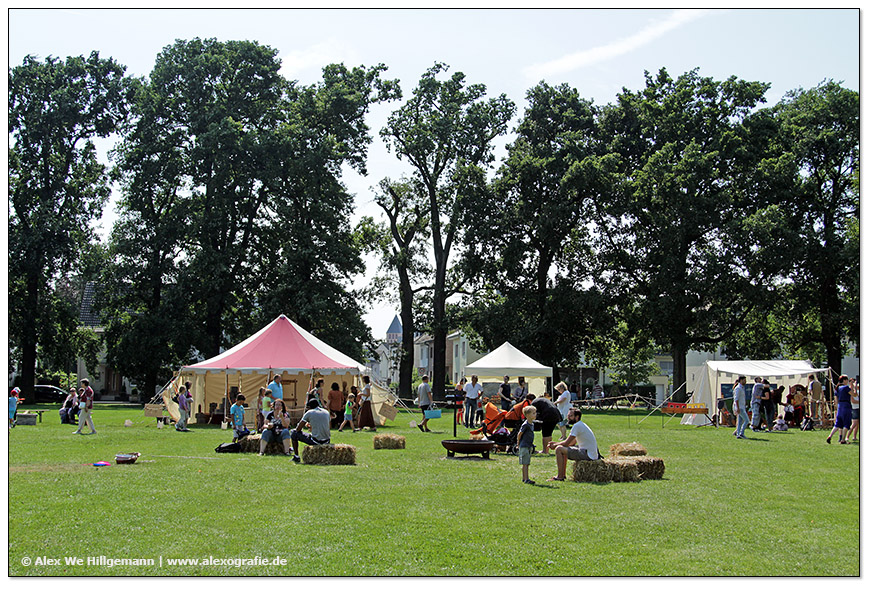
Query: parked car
(46,393)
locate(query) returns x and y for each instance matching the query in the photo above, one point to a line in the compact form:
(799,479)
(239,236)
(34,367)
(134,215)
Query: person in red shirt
(86,399)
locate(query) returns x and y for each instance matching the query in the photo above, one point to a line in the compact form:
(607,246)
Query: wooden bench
(672,409)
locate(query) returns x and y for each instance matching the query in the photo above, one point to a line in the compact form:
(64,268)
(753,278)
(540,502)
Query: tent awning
(506,360)
(281,346)
(763,368)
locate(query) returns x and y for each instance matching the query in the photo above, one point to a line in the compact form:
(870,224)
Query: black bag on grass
(228,447)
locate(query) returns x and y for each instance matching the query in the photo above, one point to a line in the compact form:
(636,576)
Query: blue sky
(597,51)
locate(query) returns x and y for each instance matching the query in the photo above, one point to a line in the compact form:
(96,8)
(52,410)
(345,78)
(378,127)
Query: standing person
(756,404)
(520,392)
(276,428)
(336,404)
(266,401)
(739,406)
(580,445)
(183,403)
(769,411)
(277,389)
(472,392)
(13,405)
(815,394)
(843,412)
(349,407)
(236,416)
(526,442)
(563,404)
(367,418)
(459,398)
(854,434)
(86,401)
(549,415)
(505,394)
(317,393)
(318,418)
(425,401)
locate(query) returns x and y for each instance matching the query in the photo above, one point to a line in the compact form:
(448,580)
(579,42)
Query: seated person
(549,415)
(780,425)
(276,428)
(236,412)
(580,445)
(69,408)
(318,418)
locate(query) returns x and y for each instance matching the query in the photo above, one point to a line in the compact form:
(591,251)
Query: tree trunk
(28,340)
(407,357)
(679,350)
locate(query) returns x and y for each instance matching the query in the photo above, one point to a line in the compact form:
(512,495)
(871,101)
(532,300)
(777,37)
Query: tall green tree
(57,186)
(445,131)
(528,251)
(683,229)
(820,141)
(252,164)
(147,315)
(401,245)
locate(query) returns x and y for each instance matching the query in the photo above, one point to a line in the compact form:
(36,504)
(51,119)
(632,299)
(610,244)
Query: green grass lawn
(777,505)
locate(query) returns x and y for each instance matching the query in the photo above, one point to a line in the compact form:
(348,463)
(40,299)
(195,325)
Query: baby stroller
(493,429)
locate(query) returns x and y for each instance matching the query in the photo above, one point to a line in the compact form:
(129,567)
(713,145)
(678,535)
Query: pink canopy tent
(281,348)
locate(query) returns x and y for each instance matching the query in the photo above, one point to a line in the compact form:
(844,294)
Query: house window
(456,350)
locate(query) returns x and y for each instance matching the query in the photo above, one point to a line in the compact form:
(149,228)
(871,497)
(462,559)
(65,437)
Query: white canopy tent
(713,374)
(506,360)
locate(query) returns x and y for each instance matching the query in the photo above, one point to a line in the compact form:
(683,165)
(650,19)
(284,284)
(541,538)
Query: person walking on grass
(349,406)
(843,413)
(13,405)
(86,401)
(580,445)
(526,442)
(425,401)
(739,406)
(184,402)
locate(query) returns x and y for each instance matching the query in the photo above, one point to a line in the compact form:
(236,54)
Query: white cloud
(312,59)
(623,46)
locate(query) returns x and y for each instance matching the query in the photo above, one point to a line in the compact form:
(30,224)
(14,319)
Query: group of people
(78,403)
(321,414)
(764,402)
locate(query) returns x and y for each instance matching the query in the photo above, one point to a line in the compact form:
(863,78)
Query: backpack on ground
(228,447)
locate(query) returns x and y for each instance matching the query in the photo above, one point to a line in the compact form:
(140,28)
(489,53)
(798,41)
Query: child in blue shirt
(237,418)
(526,442)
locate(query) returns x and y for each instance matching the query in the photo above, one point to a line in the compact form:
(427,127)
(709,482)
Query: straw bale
(251,444)
(647,467)
(330,454)
(388,441)
(624,470)
(627,449)
(592,471)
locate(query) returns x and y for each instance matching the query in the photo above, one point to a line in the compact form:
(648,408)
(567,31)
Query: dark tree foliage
(57,187)
(445,131)
(681,223)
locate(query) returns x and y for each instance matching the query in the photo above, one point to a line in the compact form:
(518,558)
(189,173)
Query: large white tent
(506,360)
(713,374)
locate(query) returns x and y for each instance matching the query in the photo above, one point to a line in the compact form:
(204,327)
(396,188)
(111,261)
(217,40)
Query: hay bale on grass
(330,454)
(592,471)
(627,449)
(624,470)
(251,444)
(388,441)
(647,467)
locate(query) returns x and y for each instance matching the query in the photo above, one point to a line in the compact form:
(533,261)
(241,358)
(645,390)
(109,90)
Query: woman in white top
(563,405)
